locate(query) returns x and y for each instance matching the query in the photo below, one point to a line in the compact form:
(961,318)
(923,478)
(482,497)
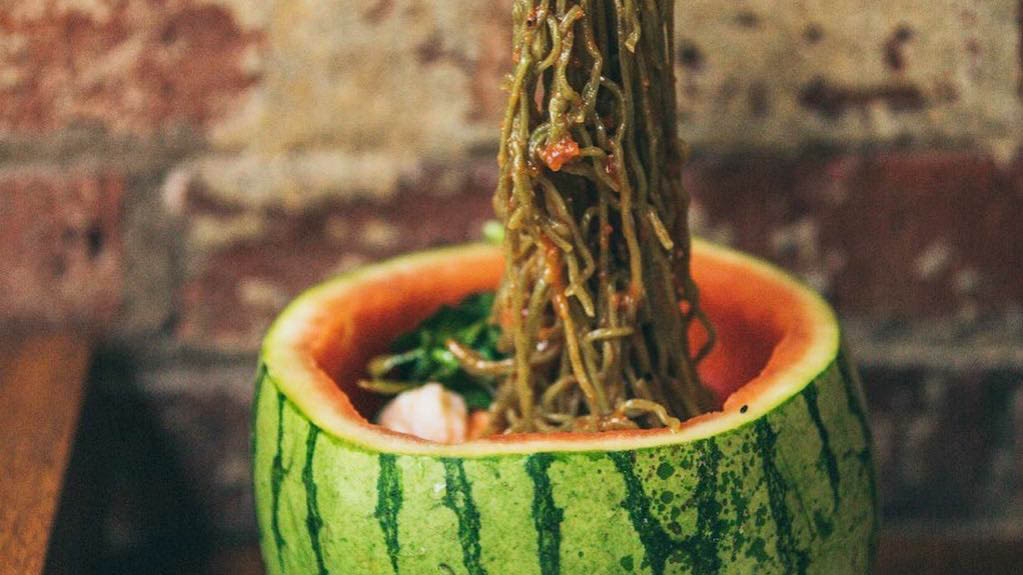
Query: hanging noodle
(597,300)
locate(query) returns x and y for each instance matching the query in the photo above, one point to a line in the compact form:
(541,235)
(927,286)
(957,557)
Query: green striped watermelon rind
(787,488)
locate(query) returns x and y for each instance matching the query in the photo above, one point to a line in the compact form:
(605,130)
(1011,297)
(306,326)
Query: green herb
(493,232)
(422,356)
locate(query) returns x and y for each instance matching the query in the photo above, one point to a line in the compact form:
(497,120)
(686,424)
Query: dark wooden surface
(42,376)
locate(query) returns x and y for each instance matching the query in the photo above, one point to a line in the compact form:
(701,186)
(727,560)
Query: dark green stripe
(739,498)
(826,459)
(256,394)
(389,497)
(254,437)
(657,544)
(703,545)
(851,382)
(313,521)
(547,516)
(796,560)
(277,473)
(458,498)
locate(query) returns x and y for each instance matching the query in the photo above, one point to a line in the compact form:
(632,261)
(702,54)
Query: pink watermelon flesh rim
(775,336)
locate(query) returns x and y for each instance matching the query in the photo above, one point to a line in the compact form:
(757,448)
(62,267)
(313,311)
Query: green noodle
(597,302)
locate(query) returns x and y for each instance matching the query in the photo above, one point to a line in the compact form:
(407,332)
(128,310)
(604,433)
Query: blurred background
(173,171)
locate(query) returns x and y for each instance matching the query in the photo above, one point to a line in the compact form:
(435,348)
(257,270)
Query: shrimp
(429,412)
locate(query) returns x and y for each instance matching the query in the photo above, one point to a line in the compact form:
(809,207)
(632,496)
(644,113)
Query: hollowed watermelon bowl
(780,480)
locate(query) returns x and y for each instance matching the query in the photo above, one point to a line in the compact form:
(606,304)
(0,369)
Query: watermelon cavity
(772,333)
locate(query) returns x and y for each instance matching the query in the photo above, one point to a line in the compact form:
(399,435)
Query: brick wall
(172,172)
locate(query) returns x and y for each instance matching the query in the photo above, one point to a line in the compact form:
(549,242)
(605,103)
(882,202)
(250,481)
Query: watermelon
(780,480)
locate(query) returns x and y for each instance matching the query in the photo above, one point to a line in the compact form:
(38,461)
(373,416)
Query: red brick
(897,234)
(914,202)
(139,70)
(60,245)
(884,236)
(234,290)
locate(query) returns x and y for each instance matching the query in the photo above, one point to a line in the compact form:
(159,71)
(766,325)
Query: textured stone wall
(173,171)
(785,74)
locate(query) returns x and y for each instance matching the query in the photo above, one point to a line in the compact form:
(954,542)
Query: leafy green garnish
(421,356)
